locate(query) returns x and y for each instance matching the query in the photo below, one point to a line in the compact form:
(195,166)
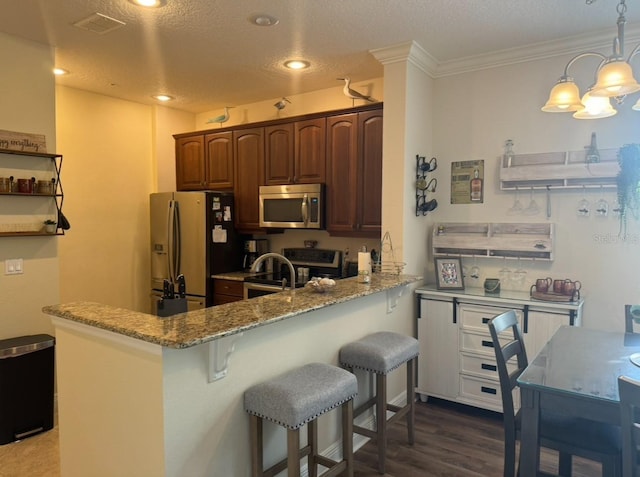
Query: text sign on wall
(25,142)
(467,182)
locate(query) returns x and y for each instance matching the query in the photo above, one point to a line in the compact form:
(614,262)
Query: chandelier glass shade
(613,79)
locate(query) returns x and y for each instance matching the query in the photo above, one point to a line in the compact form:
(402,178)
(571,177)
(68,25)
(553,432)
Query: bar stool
(294,399)
(379,354)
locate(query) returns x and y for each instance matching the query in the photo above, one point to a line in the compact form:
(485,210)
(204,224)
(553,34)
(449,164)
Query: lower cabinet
(457,359)
(227,291)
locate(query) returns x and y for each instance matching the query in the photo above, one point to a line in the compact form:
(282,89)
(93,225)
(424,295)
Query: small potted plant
(50,226)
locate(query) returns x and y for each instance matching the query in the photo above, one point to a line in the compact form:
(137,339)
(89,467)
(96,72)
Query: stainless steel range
(319,262)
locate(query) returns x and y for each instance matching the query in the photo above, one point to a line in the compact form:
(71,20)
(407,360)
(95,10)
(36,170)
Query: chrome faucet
(261,258)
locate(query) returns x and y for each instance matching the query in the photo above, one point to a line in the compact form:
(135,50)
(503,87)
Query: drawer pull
(485,320)
(487,344)
(487,390)
(489,367)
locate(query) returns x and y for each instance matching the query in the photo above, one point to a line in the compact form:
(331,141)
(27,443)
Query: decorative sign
(467,182)
(24,142)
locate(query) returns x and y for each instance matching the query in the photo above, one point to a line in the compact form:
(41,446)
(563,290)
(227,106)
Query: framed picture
(449,274)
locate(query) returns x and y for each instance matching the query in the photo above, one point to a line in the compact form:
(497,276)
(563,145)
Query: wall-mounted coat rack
(423,167)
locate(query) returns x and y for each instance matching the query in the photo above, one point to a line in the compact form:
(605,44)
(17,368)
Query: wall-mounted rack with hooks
(510,240)
(423,186)
(558,170)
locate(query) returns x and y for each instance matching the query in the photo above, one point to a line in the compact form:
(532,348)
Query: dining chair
(629,312)
(580,437)
(630,425)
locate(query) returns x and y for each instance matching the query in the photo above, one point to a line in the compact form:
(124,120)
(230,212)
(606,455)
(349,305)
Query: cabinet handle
(489,367)
(525,319)
(487,390)
(487,344)
(485,320)
(455,310)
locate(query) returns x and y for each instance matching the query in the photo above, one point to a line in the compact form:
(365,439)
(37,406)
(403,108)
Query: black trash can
(26,386)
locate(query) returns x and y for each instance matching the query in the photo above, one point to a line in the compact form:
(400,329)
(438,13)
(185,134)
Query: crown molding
(412,52)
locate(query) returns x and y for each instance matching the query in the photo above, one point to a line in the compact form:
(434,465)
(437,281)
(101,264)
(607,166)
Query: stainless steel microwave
(295,206)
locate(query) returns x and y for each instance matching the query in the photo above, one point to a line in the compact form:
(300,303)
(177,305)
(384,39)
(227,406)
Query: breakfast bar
(143,395)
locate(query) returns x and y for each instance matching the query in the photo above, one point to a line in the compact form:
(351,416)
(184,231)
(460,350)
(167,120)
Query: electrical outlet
(13,267)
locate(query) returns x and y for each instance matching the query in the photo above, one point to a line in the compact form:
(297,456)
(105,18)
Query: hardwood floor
(451,441)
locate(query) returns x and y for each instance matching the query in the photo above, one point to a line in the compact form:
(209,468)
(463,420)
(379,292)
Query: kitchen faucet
(261,258)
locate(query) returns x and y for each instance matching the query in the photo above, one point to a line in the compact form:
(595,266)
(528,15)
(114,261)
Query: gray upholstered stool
(297,398)
(381,353)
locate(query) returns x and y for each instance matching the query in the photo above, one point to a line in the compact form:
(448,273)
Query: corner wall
(27,104)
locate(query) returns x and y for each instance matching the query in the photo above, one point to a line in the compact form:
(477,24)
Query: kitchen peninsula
(140,395)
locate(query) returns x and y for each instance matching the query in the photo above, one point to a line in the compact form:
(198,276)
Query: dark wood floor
(451,441)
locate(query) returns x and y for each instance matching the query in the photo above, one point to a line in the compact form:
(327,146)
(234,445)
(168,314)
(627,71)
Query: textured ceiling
(207,54)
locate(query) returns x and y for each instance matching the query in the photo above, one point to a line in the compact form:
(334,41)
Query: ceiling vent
(99,23)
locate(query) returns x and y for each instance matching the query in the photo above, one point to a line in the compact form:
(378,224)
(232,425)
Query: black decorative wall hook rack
(423,167)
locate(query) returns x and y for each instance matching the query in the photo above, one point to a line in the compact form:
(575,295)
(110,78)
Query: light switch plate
(13,266)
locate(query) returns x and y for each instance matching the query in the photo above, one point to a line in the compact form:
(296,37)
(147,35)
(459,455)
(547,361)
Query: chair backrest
(629,312)
(630,425)
(514,347)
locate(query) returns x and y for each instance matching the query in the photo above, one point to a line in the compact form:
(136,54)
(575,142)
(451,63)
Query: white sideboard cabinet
(457,359)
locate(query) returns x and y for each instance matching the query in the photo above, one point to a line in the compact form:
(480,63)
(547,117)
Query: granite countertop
(196,327)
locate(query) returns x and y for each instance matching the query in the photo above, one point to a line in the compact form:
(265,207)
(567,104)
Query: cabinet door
(539,328)
(219,161)
(248,149)
(190,164)
(438,358)
(342,156)
(278,158)
(369,200)
(310,156)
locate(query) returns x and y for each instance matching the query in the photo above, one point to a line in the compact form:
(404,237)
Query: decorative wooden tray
(550,296)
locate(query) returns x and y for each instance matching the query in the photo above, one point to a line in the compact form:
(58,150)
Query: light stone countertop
(201,326)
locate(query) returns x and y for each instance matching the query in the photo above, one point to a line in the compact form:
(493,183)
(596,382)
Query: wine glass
(475,270)
(533,208)
(584,208)
(516,208)
(602,206)
(504,274)
(519,276)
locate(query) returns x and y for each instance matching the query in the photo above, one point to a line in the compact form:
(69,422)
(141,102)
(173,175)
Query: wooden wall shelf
(511,240)
(559,170)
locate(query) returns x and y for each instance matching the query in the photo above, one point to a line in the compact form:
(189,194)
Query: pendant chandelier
(613,79)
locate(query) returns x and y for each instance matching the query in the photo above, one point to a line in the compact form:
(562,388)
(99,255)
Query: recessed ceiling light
(163,97)
(297,64)
(148,3)
(60,72)
(264,20)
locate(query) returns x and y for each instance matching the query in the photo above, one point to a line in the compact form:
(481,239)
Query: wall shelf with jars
(501,240)
(32,193)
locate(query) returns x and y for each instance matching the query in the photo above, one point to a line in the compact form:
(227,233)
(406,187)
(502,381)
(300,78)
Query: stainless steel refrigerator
(192,234)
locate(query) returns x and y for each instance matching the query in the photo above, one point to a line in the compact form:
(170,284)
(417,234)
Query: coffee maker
(252,250)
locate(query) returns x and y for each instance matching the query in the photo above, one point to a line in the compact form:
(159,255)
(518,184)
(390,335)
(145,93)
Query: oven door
(253,290)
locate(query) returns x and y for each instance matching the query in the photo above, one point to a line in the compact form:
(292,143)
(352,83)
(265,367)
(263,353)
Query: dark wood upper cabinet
(190,165)
(219,161)
(354,174)
(248,149)
(310,155)
(295,152)
(204,162)
(278,158)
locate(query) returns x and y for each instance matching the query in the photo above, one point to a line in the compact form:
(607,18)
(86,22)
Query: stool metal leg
(381,419)
(347,436)
(312,441)
(411,400)
(293,452)
(255,431)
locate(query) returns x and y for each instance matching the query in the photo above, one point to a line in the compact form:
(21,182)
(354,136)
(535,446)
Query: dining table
(576,374)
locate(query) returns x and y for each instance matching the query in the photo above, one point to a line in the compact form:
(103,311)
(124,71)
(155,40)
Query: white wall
(27,104)
(474,114)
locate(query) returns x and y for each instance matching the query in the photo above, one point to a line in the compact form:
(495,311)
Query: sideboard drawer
(477,342)
(478,389)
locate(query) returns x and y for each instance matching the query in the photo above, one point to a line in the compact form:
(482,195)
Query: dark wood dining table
(576,373)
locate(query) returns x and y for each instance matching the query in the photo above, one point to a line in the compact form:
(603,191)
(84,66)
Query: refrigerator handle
(304,209)
(177,245)
(171,252)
